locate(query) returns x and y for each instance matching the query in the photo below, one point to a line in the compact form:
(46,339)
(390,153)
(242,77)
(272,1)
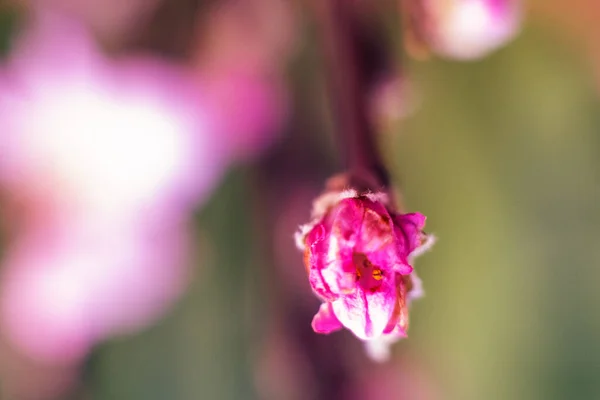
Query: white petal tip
(378,350)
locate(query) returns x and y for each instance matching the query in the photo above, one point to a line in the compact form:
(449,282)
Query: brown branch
(355,58)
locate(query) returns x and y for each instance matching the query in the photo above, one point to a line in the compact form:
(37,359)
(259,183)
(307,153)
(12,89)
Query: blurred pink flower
(109,158)
(248,108)
(357,254)
(70,284)
(105,159)
(89,134)
(468,29)
(394,97)
(242,51)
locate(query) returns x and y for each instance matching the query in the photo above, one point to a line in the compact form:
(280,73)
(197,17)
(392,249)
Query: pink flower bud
(465,29)
(357,253)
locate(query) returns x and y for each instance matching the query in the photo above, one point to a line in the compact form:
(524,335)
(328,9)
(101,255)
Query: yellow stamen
(377,275)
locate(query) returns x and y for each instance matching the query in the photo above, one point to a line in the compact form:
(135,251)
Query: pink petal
(320,285)
(347,220)
(367,314)
(409,230)
(325,320)
(390,260)
(416,219)
(376,231)
(329,263)
(398,324)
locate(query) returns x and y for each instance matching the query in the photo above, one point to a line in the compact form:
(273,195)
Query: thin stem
(354,58)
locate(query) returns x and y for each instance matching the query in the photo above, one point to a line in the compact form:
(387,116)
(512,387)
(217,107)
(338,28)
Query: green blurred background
(503,158)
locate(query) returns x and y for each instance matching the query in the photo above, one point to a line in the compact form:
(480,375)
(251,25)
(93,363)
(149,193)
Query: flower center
(368,276)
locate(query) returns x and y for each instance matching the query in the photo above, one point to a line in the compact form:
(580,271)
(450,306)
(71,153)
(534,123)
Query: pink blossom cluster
(357,253)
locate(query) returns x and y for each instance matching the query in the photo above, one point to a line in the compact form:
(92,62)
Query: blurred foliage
(8,22)
(503,158)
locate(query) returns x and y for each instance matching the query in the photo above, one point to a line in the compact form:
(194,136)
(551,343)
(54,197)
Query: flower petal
(398,324)
(367,313)
(376,232)
(325,320)
(329,266)
(347,220)
(378,349)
